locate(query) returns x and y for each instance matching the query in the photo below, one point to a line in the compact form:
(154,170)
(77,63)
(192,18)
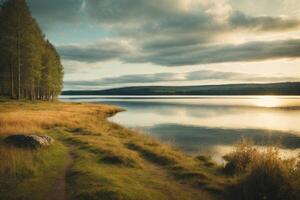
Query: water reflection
(268,101)
(191,138)
(147,113)
(212,124)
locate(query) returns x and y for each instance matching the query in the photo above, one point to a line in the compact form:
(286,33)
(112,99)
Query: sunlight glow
(268,101)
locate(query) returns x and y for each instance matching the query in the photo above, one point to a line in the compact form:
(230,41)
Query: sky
(117,43)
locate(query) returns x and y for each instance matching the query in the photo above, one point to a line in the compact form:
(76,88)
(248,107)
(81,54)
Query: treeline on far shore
(285,88)
(30,66)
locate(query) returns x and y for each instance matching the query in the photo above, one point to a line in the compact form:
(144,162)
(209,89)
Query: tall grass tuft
(262,175)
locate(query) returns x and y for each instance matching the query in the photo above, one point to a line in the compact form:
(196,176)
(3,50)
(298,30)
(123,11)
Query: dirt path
(162,174)
(59,188)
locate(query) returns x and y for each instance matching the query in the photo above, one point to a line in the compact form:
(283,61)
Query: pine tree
(30,67)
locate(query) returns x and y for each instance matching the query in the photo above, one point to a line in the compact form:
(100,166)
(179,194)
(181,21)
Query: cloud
(115,11)
(177,16)
(252,51)
(157,14)
(185,53)
(264,23)
(267,7)
(201,75)
(101,51)
(50,12)
(168,32)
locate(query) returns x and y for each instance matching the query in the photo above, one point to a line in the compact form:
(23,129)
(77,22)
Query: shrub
(263,175)
(239,160)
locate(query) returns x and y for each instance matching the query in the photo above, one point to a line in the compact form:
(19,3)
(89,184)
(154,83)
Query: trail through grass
(94,159)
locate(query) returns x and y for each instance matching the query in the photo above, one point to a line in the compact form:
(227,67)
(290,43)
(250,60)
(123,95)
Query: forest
(30,67)
(284,88)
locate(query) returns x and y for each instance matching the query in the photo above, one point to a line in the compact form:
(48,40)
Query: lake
(210,124)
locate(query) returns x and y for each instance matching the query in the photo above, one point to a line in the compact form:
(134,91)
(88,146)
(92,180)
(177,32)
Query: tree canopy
(30,66)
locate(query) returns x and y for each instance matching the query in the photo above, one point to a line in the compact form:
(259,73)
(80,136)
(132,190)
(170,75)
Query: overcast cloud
(200,75)
(167,32)
(172,33)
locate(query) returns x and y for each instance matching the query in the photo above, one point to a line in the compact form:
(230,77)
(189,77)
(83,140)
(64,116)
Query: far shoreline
(281,88)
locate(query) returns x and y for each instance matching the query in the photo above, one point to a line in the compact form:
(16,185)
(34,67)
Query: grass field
(93,158)
(97,159)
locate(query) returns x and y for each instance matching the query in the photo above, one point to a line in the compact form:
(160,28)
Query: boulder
(29,141)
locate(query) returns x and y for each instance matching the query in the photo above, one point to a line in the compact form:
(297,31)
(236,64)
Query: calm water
(210,124)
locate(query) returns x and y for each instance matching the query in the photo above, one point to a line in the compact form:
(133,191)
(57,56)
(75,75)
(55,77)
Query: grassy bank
(93,158)
(101,160)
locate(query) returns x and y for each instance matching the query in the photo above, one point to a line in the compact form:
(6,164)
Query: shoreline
(285,151)
(93,158)
(98,145)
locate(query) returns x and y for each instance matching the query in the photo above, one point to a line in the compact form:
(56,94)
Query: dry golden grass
(125,164)
(263,174)
(22,118)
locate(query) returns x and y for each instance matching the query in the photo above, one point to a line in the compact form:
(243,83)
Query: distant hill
(288,88)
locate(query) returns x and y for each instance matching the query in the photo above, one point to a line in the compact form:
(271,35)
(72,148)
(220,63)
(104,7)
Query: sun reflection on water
(268,101)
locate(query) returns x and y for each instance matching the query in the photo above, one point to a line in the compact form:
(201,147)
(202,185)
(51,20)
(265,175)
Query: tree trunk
(38,90)
(19,55)
(12,80)
(19,67)
(33,90)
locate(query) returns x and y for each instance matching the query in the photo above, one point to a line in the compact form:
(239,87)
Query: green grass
(105,160)
(123,172)
(29,174)
(98,159)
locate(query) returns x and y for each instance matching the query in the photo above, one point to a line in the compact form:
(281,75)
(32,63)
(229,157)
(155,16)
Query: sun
(267,101)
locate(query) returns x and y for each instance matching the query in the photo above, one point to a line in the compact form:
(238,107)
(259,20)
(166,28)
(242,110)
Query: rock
(29,141)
